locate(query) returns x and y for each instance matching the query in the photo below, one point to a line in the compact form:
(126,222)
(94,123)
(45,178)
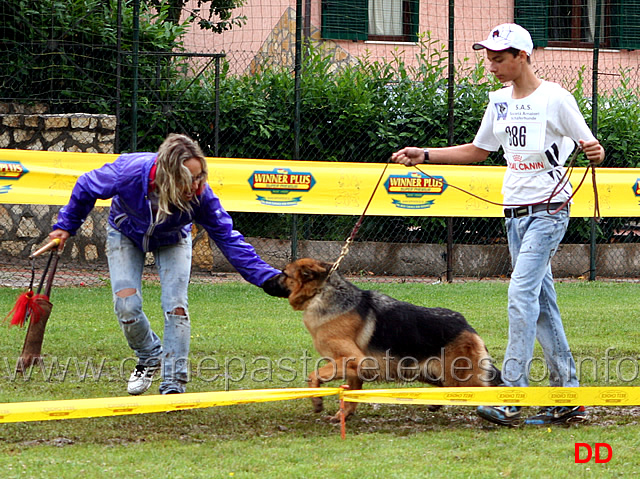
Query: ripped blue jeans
(532,303)
(126,264)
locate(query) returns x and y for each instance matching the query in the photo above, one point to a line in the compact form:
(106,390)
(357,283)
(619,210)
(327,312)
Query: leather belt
(530,209)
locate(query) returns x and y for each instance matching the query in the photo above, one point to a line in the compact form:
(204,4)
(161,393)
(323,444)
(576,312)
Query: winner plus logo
(276,186)
(10,170)
(415,188)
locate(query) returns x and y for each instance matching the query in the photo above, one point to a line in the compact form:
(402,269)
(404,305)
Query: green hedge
(365,111)
(360,112)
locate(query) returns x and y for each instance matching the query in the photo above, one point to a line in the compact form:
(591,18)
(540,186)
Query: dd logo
(589,452)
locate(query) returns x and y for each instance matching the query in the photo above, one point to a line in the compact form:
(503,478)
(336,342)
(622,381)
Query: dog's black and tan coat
(368,335)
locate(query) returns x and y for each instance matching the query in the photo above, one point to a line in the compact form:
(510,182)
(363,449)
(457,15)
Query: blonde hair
(173,179)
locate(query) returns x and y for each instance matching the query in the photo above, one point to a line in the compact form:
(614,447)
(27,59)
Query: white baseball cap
(505,36)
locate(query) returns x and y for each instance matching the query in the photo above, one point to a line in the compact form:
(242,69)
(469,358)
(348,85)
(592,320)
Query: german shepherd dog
(367,335)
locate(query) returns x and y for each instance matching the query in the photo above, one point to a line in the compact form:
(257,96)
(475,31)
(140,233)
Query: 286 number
(517,135)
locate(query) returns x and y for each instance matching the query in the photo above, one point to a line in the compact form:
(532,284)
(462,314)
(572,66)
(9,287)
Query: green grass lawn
(260,342)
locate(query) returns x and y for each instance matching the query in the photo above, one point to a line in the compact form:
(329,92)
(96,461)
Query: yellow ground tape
(501,396)
(119,406)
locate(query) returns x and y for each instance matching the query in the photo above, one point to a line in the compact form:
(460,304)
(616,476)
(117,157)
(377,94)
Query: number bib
(520,127)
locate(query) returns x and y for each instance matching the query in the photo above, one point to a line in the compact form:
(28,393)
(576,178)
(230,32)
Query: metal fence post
(134,97)
(297,114)
(594,129)
(216,117)
(450,99)
(116,141)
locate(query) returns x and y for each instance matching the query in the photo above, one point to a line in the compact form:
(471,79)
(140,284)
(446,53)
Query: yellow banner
(316,187)
(501,396)
(120,406)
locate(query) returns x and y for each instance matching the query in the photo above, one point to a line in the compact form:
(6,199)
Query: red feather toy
(32,305)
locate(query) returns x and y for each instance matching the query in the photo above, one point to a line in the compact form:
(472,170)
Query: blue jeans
(532,304)
(126,264)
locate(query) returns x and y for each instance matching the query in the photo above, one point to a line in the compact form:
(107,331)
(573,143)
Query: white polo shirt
(537,134)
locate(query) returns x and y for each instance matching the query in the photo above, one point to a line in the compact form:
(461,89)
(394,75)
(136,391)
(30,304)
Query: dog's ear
(315,271)
(327,266)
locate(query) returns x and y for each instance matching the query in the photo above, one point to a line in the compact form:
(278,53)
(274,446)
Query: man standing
(538,125)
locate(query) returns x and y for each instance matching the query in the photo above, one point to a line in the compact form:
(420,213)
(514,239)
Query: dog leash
(596,201)
(564,180)
(347,244)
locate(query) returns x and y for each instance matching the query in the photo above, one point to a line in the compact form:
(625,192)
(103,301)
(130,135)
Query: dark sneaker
(558,415)
(140,379)
(503,415)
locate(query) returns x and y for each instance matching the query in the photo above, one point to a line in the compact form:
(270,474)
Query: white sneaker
(140,379)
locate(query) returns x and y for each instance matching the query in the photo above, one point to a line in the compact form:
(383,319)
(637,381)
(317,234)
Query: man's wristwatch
(426,155)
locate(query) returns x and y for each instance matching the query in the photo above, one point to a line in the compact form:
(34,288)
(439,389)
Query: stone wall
(25,227)
(32,128)
(615,260)
(279,46)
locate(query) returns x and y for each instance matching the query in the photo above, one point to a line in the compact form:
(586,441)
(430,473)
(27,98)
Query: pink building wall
(474,19)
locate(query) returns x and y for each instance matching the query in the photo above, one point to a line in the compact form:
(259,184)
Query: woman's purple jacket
(126,182)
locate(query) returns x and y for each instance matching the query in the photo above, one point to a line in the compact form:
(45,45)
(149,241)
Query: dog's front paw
(334,419)
(318,405)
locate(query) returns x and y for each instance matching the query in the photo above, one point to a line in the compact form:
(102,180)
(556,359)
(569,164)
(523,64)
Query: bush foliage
(358,112)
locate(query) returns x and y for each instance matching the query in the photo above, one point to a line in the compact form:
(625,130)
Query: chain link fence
(283,86)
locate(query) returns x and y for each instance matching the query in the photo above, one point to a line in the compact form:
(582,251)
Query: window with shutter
(625,25)
(572,23)
(531,14)
(392,20)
